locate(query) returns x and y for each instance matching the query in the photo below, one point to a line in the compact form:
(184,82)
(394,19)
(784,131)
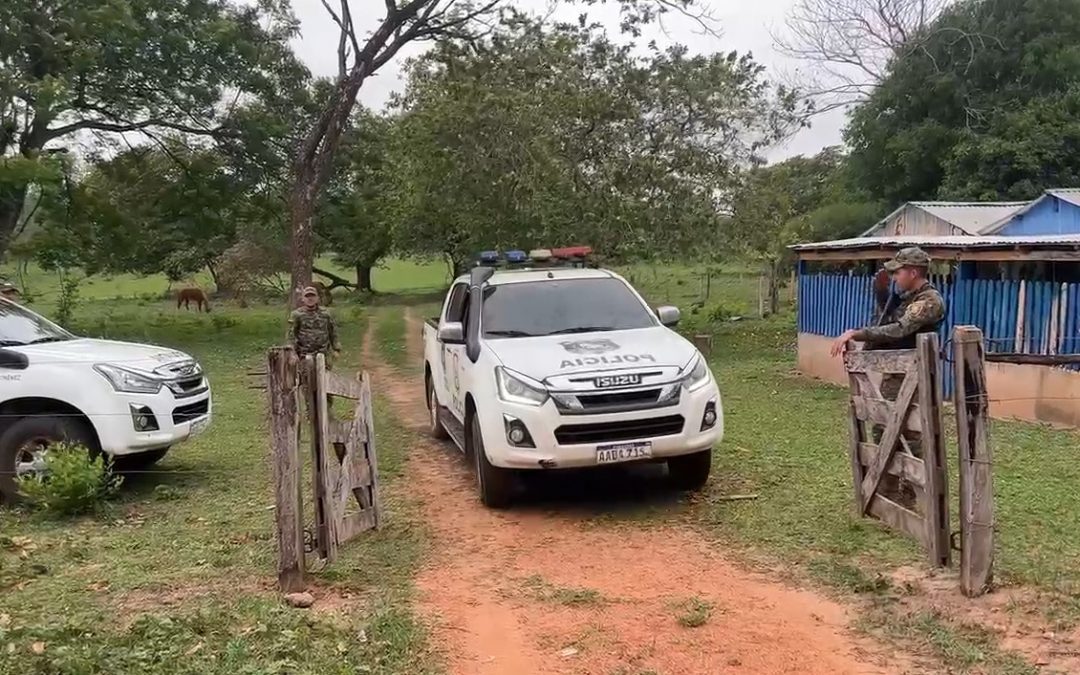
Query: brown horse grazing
(187,296)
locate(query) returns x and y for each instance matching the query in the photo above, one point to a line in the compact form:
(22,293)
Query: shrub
(69,298)
(73,482)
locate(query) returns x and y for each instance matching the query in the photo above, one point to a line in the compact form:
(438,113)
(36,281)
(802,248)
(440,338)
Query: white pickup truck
(130,401)
(550,368)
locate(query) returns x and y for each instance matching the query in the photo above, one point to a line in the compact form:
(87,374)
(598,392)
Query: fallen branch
(735,498)
(335,280)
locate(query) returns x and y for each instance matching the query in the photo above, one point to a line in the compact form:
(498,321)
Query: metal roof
(971,217)
(956,241)
(1071,195)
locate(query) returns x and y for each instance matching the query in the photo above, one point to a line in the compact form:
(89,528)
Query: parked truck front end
(568,368)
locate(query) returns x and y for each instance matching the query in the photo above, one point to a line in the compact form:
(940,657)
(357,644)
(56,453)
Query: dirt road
(552,590)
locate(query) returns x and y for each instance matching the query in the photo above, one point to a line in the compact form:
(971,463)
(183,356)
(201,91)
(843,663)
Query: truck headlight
(517,388)
(697,373)
(130,381)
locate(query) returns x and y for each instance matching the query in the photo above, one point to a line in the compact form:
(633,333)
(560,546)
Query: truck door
(453,356)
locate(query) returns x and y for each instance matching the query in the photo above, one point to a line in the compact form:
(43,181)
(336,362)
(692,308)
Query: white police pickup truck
(543,368)
(130,401)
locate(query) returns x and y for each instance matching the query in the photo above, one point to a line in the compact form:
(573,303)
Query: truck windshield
(535,308)
(20,326)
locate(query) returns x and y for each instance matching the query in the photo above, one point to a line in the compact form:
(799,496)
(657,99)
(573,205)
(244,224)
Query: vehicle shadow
(625,491)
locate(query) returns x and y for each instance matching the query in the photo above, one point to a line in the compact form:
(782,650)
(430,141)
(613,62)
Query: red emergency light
(572,252)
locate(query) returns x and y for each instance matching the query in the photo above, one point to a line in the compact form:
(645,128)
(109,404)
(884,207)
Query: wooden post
(976,469)
(285,457)
(703,342)
(933,447)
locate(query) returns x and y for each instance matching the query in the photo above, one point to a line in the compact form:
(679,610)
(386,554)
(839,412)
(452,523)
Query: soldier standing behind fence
(916,307)
(312,330)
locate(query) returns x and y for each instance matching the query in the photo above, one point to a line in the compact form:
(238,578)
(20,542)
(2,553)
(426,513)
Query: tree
(848,44)
(170,209)
(354,214)
(113,66)
(799,199)
(986,108)
(413,21)
(543,135)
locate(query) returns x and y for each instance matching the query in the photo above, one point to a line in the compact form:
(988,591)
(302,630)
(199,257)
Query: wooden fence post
(976,468)
(933,448)
(283,398)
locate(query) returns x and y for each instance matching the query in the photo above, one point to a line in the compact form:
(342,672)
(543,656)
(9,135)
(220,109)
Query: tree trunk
(363,278)
(774,287)
(213,275)
(11,207)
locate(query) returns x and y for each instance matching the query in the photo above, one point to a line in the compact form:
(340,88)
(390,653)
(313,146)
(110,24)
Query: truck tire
(689,472)
(28,434)
(139,460)
(435,427)
(494,484)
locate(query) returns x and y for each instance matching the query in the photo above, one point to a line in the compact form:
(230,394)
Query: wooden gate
(897,448)
(345,484)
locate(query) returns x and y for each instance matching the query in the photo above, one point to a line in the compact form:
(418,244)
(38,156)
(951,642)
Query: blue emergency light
(516,256)
(489,257)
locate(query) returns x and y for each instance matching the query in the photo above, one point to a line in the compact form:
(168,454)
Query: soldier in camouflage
(312,329)
(916,308)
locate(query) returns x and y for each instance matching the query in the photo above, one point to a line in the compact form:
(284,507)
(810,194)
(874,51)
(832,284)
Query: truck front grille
(186,413)
(623,430)
(610,401)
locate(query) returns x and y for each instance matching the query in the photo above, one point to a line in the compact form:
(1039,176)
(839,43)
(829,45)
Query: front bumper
(542,423)
(178,420)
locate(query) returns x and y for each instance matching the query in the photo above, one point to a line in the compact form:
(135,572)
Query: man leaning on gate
(915,307)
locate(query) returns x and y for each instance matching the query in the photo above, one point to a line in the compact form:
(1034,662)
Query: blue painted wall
(1049,215)
(829,304)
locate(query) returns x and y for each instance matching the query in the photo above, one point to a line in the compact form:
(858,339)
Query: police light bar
(516,256)
(572,252)
(540,254)
(488,257)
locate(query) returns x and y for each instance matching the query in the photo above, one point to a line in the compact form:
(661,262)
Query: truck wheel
(22,447)
(494,484)
(435,427)
(689,472)
(139,460)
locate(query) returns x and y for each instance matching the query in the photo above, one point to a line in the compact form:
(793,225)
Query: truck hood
(90,351)
(553,355)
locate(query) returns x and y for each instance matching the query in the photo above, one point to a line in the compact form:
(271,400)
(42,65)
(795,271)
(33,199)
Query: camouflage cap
(311,290)
(912,256)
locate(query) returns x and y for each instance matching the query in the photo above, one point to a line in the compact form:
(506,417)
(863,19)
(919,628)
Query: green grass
(694,613)
(179,575)
(569,596)
(390,336)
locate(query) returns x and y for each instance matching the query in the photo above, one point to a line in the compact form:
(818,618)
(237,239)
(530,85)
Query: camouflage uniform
(920,310)
(312,331)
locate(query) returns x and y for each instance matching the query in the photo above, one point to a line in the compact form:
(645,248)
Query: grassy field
(785,441)
(178,575)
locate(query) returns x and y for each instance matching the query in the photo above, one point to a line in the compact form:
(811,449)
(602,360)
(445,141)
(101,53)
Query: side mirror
(451,333)
(668,315)
(13,360)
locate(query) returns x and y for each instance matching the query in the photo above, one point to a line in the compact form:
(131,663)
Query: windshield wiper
(11,343)
(43,340)
(508,333)
(581,329)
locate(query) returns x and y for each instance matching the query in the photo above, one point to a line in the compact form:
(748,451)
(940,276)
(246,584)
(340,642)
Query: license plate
(199,426)
(623,452)
(616,381)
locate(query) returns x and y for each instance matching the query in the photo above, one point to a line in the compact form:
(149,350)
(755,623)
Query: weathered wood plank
(855,430)
(902,464)
(889,440)
(355,523)
(897,361)
(976,468)
(339,385)
(369,446)
(880,411)
(898,518)
(326,464)
(338,431)
(933,447)
(282,399)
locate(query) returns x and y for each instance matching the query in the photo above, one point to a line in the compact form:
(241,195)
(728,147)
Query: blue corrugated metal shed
(1056,212)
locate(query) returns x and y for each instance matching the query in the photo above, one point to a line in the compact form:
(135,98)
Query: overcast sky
(745,26)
